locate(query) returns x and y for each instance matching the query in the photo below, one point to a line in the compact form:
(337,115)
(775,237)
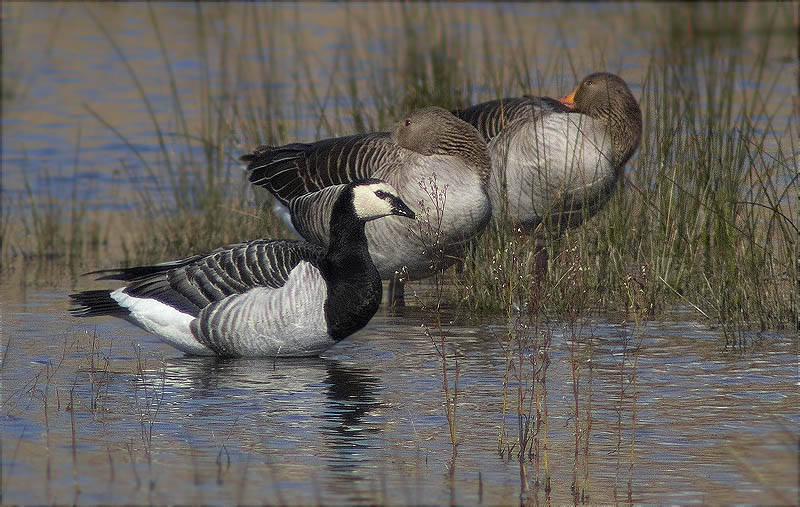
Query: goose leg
(397,289)
(540,261)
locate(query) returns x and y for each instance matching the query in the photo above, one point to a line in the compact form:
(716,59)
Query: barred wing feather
(295,169)
(491,117)
(191,284)
(311,214)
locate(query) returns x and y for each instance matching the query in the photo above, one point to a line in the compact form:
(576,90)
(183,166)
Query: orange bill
(569,100)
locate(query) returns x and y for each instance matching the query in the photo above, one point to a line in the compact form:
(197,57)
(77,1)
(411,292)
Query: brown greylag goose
(558,161)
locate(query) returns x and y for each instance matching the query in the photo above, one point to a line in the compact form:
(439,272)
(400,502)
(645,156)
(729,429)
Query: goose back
(244,324)
(295,169)
(191,284)
(490,117)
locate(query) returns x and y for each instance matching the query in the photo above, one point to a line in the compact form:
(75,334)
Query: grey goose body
(425,144)
(558,160)
(263,298)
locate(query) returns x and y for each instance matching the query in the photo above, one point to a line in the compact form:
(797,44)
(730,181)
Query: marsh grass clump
(706,203)
(705,217)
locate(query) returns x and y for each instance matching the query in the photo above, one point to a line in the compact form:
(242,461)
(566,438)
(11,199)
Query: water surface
(97,411)
(690,421)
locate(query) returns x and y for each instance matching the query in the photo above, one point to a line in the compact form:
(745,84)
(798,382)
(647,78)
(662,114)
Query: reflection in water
(221,389)
(352,396)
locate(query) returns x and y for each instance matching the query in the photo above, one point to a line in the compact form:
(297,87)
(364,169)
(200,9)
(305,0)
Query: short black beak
(399,208)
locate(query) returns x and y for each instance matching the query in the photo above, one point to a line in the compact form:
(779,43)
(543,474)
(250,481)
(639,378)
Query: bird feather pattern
(491,117)
(190,284)
(299,168)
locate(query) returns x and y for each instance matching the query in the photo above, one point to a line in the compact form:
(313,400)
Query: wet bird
(439,165)
(263,298)
(558,161)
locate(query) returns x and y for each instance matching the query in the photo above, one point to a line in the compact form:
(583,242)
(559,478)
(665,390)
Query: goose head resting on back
(447,175)
(436,131)
(606,97)
(558,162)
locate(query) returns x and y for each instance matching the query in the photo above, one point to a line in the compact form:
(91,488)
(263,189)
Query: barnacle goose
(438,164)
(558,160)
(262,298)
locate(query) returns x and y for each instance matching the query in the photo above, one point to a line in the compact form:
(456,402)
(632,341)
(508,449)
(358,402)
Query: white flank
(538,165)
(169,324)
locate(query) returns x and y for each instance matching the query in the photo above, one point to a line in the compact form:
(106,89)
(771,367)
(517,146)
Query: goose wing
(311,214)
(558,162)
(299,168)
(191,284)
(489,118)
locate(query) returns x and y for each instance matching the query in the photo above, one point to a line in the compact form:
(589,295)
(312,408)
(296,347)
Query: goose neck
(625,129)
(347,235)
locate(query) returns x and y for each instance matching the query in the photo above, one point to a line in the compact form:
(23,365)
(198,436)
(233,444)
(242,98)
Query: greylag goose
(438,164)
(263,298)
(558,160)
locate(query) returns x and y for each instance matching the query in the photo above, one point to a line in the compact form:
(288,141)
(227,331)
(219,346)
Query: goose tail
(94,303)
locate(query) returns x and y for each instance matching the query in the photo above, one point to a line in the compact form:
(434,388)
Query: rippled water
(366,421)
(97,411)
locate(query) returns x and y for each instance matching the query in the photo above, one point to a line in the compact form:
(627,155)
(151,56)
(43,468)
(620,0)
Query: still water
(96,411)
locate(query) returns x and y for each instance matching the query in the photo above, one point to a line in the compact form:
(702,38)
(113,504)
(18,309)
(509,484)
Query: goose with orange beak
(557,162)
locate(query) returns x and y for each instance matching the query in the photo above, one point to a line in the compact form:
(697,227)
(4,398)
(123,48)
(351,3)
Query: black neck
(354,285)
(347,232)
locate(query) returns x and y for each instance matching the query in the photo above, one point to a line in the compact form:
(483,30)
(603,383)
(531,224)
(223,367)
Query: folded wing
(311,214)
(489,118)
(191,284)
(295,169)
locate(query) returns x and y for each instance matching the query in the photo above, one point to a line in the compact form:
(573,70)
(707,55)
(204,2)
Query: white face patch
(369,206)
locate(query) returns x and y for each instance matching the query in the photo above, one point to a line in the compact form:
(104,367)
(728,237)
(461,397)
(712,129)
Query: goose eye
(380,194)
(408,122)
